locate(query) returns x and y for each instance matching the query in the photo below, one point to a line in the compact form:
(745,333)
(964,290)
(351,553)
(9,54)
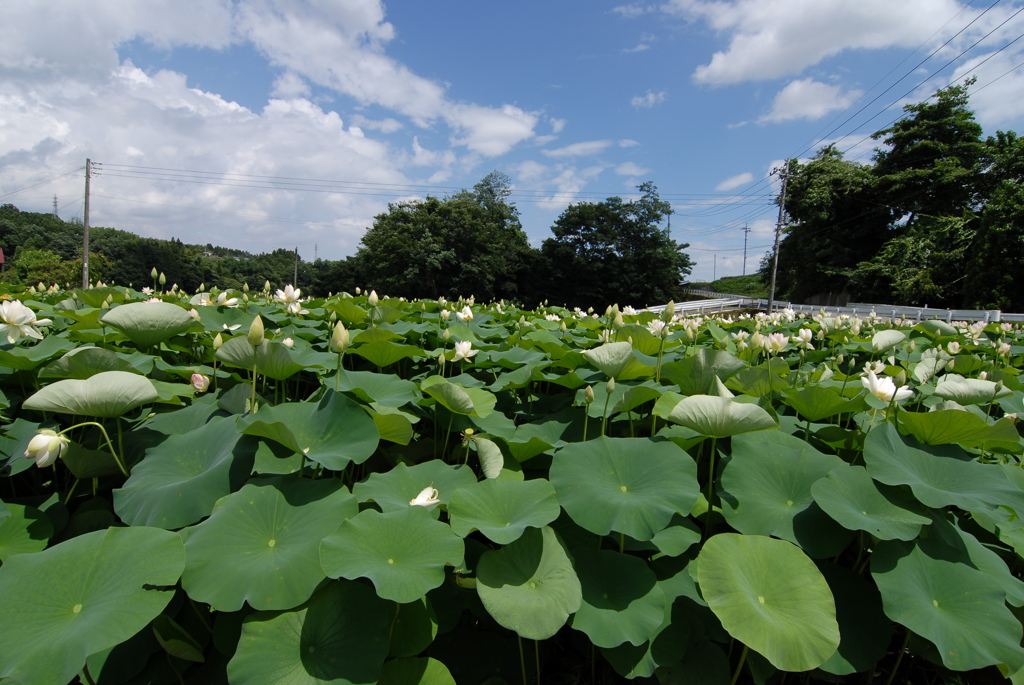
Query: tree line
(937,217)
(469,243)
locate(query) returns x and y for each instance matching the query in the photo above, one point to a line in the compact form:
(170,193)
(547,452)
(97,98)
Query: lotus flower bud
(611,386)
(447,335)
(46,447)
(340,339)
(358,290)
(563,327)
(153,273)
(217,342)
(372,300)
(200,382)
(245,287)
(588,395)
(266,286)
(670,311)
(255,336)
(618,322)
(201,288)
(162,279)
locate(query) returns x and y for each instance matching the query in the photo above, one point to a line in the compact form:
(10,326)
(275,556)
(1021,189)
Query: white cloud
(387,125)
(592,147)
(543,140)
(630,169)
(649,100)
(290,85)
(628,142)
(774,38)
(808,99)
(634,10)
(557,125)
(640,47)
(735,181)
(567,179)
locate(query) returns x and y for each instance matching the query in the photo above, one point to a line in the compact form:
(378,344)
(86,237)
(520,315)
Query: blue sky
(260,124)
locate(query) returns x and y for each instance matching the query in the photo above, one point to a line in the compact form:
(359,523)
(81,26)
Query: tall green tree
(469,244)
(614,251)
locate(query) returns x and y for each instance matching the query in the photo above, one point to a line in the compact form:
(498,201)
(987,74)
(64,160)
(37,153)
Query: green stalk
(604,418)
(110,446)
(536,656)
(657,370)
(522,659)
(739,666)
(252,405)
(711,491)
(899,658)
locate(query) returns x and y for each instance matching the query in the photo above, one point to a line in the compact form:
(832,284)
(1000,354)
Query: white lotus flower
(465,315)
(427,498)
(194,314)
(288,295)
(19,320)
(875,367)
(628,311)
(147,291)
(777,342)
(372,300)
(288,342)
(552,317)
(445,314)
(46,447)
(884,389)
(200,382)
(464,350)
(224,301)
(658,328)
(295,309)
(231,329)
(803,339)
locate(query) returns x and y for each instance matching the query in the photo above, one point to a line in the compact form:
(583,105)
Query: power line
(42,183)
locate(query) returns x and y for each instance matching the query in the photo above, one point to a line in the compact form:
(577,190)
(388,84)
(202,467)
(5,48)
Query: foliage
(717,501)
(612,251)
(751,286)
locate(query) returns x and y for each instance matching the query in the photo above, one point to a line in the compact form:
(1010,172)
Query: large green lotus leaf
(149,323)
(765,489)
(696,375)
(338,637)
(815,403)
(883,340)
(622,601)
(387,389)
(681,534)
(27,358)
(771,597)
(458,399)
(261,545)
(108,395)
(849,496)
(938,475)
(634,396)
(403,553)
(23,531)
(393,425)
(385,353)
(421,671)
(936,329)
(80,597)
(332,432)
(186,419)
(629,485)
(393,490)
(611,359)
(181,479)
(84,362)
(927,587)
(757,381)
(529,586)
(413,628)
(720,417)
(970,390)
(864,630)
(963,427)
(271,359)
(503,510)
(674,638)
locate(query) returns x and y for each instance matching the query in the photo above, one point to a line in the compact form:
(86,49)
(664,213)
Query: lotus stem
(202,619)
(536,656)
(394,619)
(899,657)
(522,659)
(88,676)
(711,491)
(604,417)
(657,370)
(71,491)
(739,666)
(110,446)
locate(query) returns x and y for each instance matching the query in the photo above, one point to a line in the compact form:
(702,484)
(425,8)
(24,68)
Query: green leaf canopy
(503,510)
(107,395)
(80,597)
(629,485)
(149,323)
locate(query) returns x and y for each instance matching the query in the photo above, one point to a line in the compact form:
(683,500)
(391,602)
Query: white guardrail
(722,302)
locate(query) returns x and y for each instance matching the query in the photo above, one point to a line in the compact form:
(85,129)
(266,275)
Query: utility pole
(295,278)
(714,270)
(55,215)
(316,252)
(784,175)
(85,227)
(746,232)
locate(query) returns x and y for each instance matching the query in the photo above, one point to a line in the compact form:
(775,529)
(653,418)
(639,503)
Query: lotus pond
(256,489)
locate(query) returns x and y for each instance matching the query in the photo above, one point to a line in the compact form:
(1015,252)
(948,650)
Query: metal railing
(722,302)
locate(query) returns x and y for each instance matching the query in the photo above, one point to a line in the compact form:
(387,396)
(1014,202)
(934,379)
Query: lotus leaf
(149,323)
(108,395)
(503,510)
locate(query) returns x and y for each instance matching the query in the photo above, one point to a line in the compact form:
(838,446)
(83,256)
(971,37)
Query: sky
(266,124)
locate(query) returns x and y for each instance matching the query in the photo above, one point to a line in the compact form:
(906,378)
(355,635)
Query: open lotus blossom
(1003,349)
(875,367)
(658,328)
(18,320)
(230,329)
(426,498)
(224,301)
(194,314)
(465,315)
(288,342)
(953,347)
(777,342)
(295,309)
(757,341)
(445,314)
(803,339)
(463,350)
(46,447)
(200,382)
(628,311)
(147,291)
(552,317)
(288,295)
(884,388)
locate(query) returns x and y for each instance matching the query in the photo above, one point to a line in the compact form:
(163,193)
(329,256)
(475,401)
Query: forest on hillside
(936,219)
(470,243)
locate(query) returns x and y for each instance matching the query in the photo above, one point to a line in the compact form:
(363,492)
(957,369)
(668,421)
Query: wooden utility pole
(85,227)
(295,278)
(784,175)
(746,232)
